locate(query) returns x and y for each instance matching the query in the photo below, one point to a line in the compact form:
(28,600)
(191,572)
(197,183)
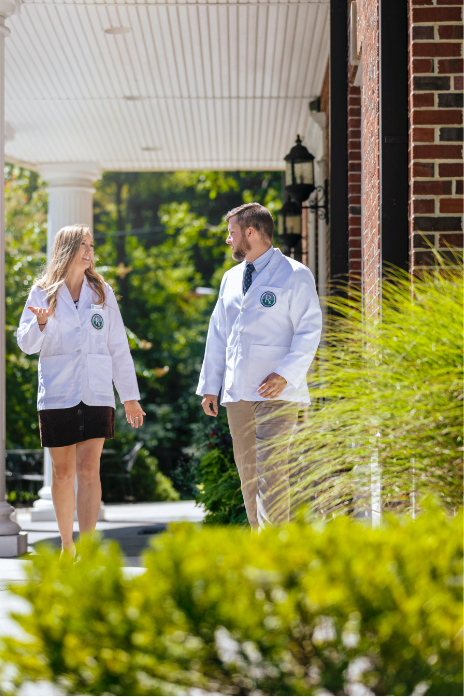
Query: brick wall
(325,107)
(354,170)
(354,184)
(368,45)
(435,143)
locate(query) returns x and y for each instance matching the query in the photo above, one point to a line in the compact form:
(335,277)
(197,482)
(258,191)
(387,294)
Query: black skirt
(62,427)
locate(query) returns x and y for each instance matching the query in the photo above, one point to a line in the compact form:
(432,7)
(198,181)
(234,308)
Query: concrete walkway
(131,524)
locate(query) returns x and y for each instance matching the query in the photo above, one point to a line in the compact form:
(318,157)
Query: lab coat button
(78,350)
(77,329)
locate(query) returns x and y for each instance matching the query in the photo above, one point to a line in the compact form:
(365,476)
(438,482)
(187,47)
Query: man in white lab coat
(263,335)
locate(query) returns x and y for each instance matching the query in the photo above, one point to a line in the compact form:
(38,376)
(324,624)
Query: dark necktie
(247,277)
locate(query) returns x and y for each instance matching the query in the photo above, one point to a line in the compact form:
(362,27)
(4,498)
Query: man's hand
(210,404)
(272,386)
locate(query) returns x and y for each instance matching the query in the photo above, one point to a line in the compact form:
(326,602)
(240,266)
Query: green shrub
(21,496)
(336,608)
(148,483)
(219,489)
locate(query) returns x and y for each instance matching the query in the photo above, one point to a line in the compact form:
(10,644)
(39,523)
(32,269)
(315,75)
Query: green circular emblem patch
(97,321)
(268,299)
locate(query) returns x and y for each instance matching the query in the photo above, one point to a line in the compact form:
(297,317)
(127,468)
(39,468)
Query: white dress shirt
(259,264)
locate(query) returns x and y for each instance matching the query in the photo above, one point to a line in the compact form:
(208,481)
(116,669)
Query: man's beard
(242,249)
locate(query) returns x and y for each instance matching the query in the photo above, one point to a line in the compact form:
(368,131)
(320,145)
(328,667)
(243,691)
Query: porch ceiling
(222,84)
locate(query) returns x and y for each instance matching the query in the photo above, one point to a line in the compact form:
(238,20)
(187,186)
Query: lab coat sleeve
(124,376)
(214,363)
(29,336)
(306,316)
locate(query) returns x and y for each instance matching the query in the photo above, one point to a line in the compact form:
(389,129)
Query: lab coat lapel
(65,295)
(267,273)
(86,290)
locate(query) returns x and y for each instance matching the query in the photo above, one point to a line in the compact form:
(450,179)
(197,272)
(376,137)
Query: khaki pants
(261,434)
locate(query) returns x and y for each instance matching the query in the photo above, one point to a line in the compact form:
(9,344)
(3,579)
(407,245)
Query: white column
(12,541)
(70,200)
(320,177)
(70,195)
(312,236)
(315,140)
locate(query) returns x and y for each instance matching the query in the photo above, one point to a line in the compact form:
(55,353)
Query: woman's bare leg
(88,455)
(63,494)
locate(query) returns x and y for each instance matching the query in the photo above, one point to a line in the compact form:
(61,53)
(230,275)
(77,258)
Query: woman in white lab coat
(72,317)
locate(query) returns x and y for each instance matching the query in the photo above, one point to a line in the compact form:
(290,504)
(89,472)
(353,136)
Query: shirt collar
(263,260)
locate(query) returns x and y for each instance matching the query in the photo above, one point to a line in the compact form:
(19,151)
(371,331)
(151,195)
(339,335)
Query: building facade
(392,103)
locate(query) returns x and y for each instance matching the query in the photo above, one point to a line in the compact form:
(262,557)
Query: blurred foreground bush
(335,609)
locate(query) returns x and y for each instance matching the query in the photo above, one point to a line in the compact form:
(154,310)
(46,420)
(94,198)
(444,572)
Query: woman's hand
(134,413)
(42,315)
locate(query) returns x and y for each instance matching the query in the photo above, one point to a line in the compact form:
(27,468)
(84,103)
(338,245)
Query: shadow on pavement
(132,540)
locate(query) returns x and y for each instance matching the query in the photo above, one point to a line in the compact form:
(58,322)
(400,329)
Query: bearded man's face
(237,240)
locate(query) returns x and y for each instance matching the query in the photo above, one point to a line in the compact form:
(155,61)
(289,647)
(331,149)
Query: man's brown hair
(254,215)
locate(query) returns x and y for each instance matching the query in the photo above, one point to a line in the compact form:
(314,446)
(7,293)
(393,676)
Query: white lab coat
(275,327)
(79,361)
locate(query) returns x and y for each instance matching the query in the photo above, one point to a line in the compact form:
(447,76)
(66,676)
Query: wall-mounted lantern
(289,223)
(299,178)
(299,172)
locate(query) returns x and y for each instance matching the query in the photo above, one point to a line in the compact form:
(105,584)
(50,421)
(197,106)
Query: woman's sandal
(75,554)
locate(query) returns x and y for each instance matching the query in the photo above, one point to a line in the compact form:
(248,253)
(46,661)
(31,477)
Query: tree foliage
(25,254)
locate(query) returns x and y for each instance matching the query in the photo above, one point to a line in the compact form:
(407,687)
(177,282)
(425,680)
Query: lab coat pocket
(100,371)
(96,323)
(263,361)
(56,375)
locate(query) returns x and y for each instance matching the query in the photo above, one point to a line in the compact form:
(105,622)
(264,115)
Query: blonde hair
(65,250)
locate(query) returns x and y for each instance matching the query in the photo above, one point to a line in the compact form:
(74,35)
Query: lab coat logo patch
(97,321)
(268,299)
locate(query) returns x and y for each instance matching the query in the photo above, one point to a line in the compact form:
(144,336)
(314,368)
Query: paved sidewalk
(131,524)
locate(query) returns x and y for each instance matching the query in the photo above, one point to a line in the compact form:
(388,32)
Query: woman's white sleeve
(124,376)
(29,336)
